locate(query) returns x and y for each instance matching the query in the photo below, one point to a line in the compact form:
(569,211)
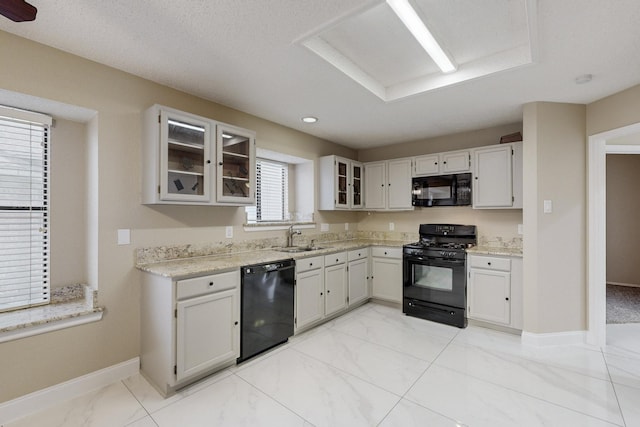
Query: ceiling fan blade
(18,10)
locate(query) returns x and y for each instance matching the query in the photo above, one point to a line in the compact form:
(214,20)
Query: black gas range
(434,273)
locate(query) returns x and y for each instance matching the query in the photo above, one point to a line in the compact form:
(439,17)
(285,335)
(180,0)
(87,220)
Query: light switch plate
(228,232)
(124,236)
(547,206)
(324,226)
(346,226)
(392,226)
(520,229)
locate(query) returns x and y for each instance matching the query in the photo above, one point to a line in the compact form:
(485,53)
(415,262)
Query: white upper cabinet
(388,185)
(442,163)
(178,161)
(497,182)
(341,183)
(236,165)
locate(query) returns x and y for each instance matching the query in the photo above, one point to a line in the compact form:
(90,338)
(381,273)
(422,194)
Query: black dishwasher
(266,307)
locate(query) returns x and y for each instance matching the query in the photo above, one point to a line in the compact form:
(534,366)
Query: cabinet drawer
(358,254)
(207,284)
(306,264)
(383,252)
(490,263)
(334,259)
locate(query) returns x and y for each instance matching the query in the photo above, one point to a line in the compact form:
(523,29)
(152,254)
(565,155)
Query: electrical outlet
(228,232)
(547,206)
(392,226)
(324,226)
(346,226)
(520,229)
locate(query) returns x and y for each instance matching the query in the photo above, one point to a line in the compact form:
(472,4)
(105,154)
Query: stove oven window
(432,277)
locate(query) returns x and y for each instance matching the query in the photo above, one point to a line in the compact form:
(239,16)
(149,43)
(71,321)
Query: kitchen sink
(298,249)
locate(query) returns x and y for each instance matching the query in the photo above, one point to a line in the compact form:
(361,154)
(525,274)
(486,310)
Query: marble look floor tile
(479,403)
(623,340)
(144,422)
(322,395)
(229,402)
(417,342)
(109,406)
(152,400)
(581,393)
(624,370)
(629,398)
(576,358)
(381,366)
(409,414)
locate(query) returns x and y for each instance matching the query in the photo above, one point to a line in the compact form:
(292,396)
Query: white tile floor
(375,366)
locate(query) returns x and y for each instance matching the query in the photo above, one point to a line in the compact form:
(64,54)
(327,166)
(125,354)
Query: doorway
(599,146)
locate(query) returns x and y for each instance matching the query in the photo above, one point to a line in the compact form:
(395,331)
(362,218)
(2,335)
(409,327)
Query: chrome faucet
(290,235)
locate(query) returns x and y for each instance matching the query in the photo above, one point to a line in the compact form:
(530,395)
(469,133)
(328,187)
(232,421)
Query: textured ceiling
(246,54)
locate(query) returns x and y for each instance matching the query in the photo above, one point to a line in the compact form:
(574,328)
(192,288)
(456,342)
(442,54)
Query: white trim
(596,226)
(628,285)
(27,116)
(24,405)
(554,338)
(55,325)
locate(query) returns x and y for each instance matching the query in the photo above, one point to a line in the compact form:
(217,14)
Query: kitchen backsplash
(499,242)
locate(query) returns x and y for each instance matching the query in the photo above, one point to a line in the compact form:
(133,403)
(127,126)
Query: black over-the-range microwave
(442,190)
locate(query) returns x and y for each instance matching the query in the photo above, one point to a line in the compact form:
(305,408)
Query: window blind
(272,197)
(24,245)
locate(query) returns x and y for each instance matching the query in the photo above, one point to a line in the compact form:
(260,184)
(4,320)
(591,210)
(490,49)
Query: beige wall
(614,111)
(623,205)
(555,244)
(67,210)
(113,201)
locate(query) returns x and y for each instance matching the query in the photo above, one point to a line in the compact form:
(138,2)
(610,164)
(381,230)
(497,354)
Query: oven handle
(437,262)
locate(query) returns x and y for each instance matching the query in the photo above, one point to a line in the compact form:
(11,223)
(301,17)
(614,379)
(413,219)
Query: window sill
(70,306)
(268,226)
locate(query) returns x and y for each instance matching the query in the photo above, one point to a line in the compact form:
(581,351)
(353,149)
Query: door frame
(596,225)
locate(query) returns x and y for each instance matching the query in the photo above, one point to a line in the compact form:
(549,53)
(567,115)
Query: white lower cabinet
(309,294)
(386,273)
(189,328)
(358,276)
(335,283)
(494,290)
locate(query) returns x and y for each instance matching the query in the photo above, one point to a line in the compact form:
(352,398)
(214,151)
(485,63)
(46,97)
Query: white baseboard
(554,338)
(631,285)
(23,406)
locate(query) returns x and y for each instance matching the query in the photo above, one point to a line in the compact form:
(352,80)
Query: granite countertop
(197,266)
(495,250)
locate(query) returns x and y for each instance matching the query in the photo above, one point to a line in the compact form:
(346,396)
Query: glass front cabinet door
(356,185)
(236,165)
(185,158)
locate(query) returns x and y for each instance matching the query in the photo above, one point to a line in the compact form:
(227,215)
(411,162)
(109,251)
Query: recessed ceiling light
(419,30)
(309,119)
(585,78)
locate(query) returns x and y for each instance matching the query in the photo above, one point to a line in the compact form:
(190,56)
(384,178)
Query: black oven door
(435,280)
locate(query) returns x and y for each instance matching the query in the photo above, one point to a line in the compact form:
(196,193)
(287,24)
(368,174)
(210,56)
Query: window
(272,195)
(24,246)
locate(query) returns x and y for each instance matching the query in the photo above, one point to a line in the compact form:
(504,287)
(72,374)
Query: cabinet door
(492,184)
(455,162)
(309,297)
(358,280)
(185,161)
(236,165)
(207,332)
(342,183)
(335,283)
(357,181)
(399,184)
(426,165)
(374,188)
(489,295)
(387,279)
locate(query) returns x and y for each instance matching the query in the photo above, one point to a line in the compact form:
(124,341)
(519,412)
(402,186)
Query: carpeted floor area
(623,304)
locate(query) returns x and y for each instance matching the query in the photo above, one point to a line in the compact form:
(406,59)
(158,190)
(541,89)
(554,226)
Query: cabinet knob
(506,299)
(337,260)
(210,283)
(321,294)
(435,163)
(328,291)
(235,323)
(310,264)
(488,263)
(444,163)
(359,254)
(220,163)
(476,177)
(208,161)
(385,253)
